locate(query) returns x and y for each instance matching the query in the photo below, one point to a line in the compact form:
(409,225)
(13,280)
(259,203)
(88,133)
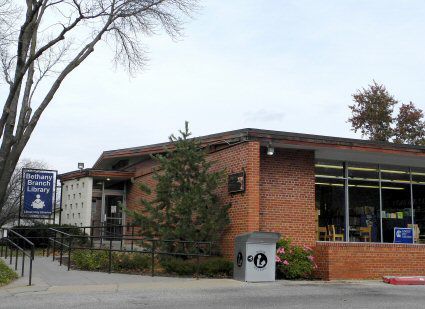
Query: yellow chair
(322,233)
(416,232)
(332,236)
(365,233)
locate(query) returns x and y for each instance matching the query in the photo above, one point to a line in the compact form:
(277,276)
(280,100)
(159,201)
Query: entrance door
(114,215)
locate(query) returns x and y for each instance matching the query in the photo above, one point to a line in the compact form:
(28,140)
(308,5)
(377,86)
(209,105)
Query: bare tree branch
(53,39)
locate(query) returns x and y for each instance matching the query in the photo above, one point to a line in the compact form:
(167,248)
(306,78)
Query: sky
(287,65)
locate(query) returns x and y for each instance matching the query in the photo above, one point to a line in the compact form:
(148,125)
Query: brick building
(344,197)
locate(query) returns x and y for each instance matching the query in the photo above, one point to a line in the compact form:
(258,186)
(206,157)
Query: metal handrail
(152,250)
(18,249)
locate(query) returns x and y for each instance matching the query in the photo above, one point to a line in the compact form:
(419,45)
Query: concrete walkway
(49,277)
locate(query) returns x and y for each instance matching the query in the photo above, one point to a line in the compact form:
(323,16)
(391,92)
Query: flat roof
(277,138)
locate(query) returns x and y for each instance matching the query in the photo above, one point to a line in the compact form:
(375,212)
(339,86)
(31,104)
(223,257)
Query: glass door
(113,215)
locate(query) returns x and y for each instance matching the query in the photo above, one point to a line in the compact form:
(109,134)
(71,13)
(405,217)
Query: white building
(94,198)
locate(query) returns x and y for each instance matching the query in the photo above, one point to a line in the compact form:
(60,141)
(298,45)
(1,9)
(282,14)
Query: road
(54,287)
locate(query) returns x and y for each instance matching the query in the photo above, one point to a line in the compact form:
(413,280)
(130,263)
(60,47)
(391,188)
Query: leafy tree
(372,112)
(410,126)
(43,41)
(185,206)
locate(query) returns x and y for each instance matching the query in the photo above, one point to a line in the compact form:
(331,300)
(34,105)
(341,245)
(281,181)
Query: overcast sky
(280,65)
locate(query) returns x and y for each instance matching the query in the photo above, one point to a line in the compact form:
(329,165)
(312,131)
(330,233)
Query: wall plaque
(236,182)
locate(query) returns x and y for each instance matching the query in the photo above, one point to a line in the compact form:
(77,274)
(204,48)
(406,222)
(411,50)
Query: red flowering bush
(294,262)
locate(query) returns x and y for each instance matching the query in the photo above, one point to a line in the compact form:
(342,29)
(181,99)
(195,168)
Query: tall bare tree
(44,41)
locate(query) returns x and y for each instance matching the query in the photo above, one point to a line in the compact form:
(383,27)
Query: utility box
(255,257)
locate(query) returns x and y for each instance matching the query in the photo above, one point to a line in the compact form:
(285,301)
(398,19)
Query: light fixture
(80,165)
(108,179)
(270,150)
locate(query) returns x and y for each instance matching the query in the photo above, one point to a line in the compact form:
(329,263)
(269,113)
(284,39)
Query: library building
(359,204)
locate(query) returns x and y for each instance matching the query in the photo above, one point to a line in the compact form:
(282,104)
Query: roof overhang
(95,173)
(325,147)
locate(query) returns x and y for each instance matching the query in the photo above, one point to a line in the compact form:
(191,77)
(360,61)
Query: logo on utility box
(259,260)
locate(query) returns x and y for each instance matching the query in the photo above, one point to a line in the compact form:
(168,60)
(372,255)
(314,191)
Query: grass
(6,274)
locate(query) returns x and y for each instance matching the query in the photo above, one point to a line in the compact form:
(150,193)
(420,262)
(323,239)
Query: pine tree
(186,206)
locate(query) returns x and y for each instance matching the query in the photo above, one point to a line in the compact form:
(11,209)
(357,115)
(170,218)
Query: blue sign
(38,192)
(403,235)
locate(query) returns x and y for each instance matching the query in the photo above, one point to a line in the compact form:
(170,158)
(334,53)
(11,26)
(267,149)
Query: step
(406,280)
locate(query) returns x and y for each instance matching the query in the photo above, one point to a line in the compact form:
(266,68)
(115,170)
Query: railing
(61,244)
(64,240)
(13,240)
(127,244)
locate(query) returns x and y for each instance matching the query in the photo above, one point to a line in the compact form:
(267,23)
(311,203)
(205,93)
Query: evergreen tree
(185,206)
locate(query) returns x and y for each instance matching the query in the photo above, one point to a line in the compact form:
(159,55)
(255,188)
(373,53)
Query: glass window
(330,202)
(330,206)
(418,189)
(362,171)
(377,195)
(364,210)
(396,208)
(329,169)
(395,174)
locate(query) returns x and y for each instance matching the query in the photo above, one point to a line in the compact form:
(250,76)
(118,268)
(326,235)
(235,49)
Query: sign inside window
(403,235)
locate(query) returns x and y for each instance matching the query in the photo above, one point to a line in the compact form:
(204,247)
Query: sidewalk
(49,277)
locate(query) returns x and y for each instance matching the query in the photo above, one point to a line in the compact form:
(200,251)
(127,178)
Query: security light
(270,150)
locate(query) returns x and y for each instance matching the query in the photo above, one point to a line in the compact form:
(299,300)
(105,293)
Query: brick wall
(244,211)
(287,195)
(368,260)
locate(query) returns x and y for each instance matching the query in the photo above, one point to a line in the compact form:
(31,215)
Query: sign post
(38,194)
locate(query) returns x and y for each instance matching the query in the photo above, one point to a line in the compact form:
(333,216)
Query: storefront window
(396,200)
(378,199)
(418,189)
(364,206)
(330,200)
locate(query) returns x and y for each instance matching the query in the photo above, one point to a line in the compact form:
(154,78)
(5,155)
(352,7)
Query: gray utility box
(255,255)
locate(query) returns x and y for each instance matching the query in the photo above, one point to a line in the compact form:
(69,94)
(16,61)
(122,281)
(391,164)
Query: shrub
(99,260)
(294,262)
(90,259)
(39,233)
(130,261)
(216,266)
(6,274)
(210,267)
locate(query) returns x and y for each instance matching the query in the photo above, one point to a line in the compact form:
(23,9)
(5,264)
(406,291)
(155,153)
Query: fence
(12,240)
(62,241)
(66,239)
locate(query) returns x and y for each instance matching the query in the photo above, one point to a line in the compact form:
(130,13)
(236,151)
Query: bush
(39,233)
(6,274)
(131,261)
(294,262)
(210,267)
(90,259)
(99,260)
